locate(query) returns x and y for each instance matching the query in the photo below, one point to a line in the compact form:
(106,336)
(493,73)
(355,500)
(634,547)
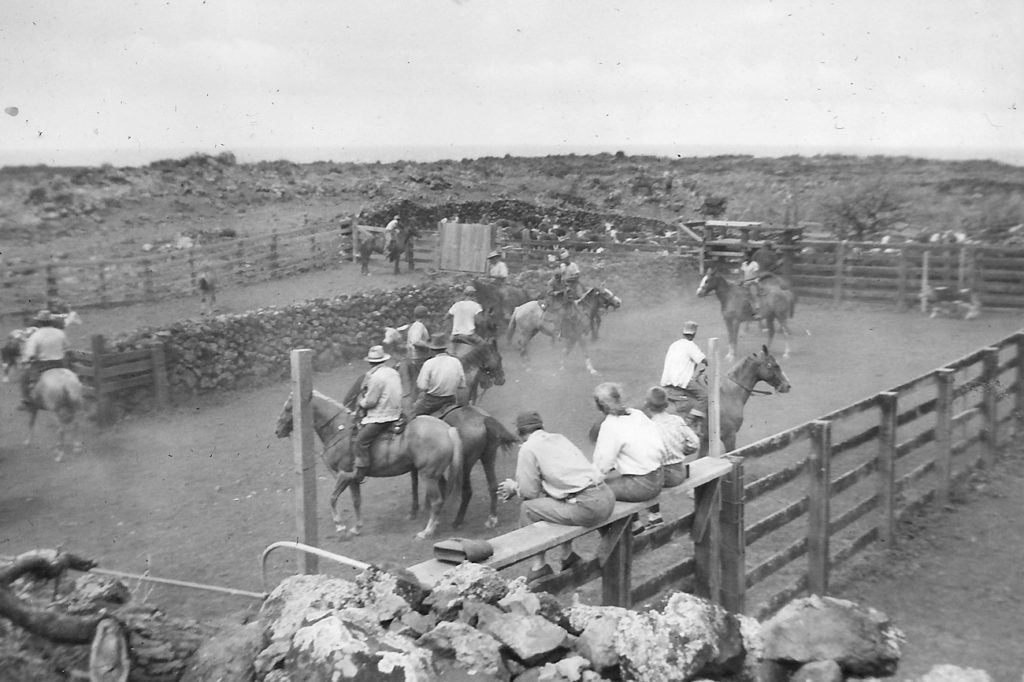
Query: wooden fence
(26,287)
(425,247)
(788,510)
(106,374)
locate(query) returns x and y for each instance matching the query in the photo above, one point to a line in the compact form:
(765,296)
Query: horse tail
(455,469)
(510,332)
(497,435)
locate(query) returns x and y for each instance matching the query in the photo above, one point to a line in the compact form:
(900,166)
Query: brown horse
(556,320)
(428,447)
(58,391)
(736,388)
(778,304)
(594,302)
(500,298)
(482,365)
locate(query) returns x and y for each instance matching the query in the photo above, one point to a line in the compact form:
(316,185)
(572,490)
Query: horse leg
(343,481)
(784,328)
(31,426)
(357,505)
(488,461)
(586,356)
(414,481)
(467,493)
(434,499)
(733,327)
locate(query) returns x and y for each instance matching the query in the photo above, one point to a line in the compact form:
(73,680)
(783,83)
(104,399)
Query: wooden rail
(106,374)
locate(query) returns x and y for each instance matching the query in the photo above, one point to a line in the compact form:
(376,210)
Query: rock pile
(477,626)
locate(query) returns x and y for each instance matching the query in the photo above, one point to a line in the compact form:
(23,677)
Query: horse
(427,447)
(532,318)
(58,391)
(368,244)
(777,305)
(736,388)
(207,285)
(594,302)
(500,298)
(482,365)
(10,352)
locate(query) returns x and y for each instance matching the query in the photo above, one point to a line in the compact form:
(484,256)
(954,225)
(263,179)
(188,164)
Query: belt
(571,498)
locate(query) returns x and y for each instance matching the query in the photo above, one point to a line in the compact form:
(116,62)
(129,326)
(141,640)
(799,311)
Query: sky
(128,82)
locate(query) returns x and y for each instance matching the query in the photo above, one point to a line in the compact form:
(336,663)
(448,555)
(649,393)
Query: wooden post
(240,260)
(192,272)
(819,470)
(101,287)
(733,544)
(991,407)
(161,393)
(887,403)
(961,267)
(147,280)
(837,285)
(617,572)
(714,387)
(103,407)
(273,253)
(302,453)
(901,285)
(924,281)
(705,532)
(944,434)
(1018,402)
(355,242)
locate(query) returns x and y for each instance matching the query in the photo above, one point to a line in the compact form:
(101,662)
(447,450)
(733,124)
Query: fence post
(1019,397)
(901,285)
(302,453)
(924,280)
(240,261)
(944,433)
(160,388)
(837,285)
(714,386)
(991,406)
(192,271)
(355,242)
(147,280)
(101,287)
(103,411)
(734,543)
(52,293)
(819,512)
(887,402)
(705,532)
(617,572)
(273,254)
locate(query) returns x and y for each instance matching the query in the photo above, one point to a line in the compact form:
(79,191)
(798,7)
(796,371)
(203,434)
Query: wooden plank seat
(522,543)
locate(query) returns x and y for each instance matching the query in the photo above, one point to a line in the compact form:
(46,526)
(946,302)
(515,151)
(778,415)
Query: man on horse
(751,281)
(464,316)
(683,377)
(379,404)
(402,243)
(564,287)
(45,349)
(440,379)
(497,269)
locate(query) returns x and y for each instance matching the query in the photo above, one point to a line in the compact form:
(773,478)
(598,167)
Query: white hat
(376,354)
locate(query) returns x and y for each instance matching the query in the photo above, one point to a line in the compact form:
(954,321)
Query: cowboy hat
(438,341)
(376,354)
(563,254)
(470,289)
(689,327)
(43,316)
(494,254)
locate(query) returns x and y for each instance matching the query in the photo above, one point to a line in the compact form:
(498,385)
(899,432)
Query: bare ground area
(196,492)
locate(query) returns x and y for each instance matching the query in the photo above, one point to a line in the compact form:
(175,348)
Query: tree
(864,209)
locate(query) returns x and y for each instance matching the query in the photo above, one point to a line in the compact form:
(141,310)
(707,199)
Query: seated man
(680,441)
(440,378)
(380,403)
(629,449)
(45,349)
(557,483)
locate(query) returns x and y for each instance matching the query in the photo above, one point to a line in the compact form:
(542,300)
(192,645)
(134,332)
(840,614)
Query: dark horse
(594,302)
(427,447)
(60,392)
(736,388)
(500,298)
(368,244)
(481,362)
(777,305)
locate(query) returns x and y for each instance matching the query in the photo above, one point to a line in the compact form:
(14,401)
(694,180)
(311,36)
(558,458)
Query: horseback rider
(440,379)
(464,316)
(45,349)
(379,406)
(497,269)
(751,281)
(569,275)
(683,375)
(565,287)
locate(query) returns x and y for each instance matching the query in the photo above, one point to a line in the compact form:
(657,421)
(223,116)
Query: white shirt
(499,270)
(682,358)
(463,314)
(629,443)
(680,440)
(46,343)
(417,334)
(749,270)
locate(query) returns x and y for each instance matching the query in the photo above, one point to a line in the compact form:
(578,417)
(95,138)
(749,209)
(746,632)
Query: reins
(749,390)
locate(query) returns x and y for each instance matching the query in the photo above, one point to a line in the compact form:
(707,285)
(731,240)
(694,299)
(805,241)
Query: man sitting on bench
(557,483)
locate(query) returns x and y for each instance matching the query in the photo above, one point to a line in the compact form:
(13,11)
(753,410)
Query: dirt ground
(197,492)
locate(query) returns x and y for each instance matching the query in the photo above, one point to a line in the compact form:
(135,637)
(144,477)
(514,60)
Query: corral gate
(464,246)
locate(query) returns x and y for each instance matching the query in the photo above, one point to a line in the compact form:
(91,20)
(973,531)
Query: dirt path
(196,492)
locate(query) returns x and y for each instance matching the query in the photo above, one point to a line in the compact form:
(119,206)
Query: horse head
(608,299)
(709,282)
(321,405)
(770,372)
(284,425)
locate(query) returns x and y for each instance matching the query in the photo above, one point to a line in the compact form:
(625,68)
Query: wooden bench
(615,551)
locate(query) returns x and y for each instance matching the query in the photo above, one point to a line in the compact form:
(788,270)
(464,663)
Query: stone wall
(229,352)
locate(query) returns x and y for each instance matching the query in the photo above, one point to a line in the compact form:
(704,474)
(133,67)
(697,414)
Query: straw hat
(43,316)
(376,355)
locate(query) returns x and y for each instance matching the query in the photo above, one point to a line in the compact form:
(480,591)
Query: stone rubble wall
(230,352)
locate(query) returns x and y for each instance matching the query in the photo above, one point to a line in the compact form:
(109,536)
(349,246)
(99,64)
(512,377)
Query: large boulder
(862,640)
